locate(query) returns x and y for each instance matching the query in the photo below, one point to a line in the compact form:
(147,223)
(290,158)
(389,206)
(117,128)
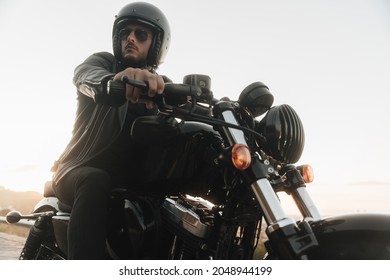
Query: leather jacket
(98,123)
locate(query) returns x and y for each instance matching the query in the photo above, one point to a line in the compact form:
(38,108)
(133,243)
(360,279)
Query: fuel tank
(177,157)
(352,237)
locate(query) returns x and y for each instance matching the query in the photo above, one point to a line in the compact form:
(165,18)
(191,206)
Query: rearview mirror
(256,98)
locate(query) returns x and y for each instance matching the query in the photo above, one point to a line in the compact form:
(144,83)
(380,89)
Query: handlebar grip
(116,88)
(113,95)
(119,87)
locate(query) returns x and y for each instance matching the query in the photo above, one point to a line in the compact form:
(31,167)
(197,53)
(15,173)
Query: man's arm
(91,76)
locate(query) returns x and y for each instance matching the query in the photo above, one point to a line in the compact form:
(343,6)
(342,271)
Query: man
(100,154)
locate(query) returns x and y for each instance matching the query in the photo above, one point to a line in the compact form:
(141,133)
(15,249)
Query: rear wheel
(40,243)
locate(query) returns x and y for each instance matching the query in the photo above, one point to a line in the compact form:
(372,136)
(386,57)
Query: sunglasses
(140,34)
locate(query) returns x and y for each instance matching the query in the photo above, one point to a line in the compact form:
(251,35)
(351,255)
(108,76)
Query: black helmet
(150,15)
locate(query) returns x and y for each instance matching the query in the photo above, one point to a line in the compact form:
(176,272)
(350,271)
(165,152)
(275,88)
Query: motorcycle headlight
(284,132)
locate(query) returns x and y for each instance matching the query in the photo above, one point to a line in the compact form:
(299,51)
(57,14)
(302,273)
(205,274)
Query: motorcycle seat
(48,191)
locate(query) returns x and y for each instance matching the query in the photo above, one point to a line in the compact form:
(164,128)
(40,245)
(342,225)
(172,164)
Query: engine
(191,220)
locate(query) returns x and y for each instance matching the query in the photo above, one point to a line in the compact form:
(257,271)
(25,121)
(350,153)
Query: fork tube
(270,204)
(305,204)
(235,136)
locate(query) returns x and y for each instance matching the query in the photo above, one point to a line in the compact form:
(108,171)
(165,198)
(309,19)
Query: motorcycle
(218,166)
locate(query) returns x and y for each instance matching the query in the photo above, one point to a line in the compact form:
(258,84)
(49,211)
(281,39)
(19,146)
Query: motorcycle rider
(101,154)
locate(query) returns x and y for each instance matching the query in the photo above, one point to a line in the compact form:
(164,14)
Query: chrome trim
(270,204)
(62,218)
(51,202)
(305,204)
(186,218)
(236,136)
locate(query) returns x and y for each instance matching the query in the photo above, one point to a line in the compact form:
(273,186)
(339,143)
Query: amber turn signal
(307,173)
(241,156)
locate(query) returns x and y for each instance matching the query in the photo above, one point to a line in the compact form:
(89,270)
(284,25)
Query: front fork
(287,239)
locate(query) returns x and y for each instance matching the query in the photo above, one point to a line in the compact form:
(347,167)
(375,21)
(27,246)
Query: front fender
(352,236)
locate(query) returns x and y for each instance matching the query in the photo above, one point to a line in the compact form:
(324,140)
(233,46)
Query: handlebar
(176,95)
(173,95)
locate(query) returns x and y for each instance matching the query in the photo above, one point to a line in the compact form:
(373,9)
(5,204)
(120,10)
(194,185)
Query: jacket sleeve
(91,77)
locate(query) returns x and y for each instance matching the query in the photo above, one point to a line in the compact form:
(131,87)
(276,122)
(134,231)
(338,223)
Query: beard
(132,57)
(133,62)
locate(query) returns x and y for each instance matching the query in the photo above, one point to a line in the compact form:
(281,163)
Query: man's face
(136,40)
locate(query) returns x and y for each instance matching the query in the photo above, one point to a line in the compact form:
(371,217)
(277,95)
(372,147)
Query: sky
(329,60)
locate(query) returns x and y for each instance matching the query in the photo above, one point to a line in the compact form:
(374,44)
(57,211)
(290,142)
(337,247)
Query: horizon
(355,183)
(331,200)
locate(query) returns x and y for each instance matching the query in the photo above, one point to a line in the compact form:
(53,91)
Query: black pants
(87,190)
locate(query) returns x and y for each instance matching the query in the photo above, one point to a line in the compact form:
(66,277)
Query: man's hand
(155,82)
